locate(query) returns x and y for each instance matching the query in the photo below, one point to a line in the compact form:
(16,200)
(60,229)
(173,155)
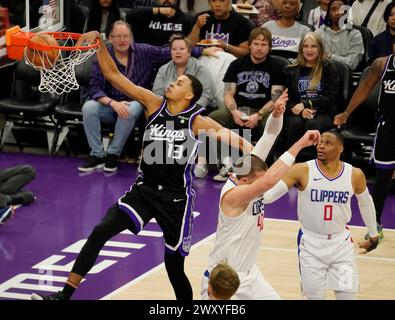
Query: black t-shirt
(233,30)
(157,29)
(386,100)
(254,81)
(303,85)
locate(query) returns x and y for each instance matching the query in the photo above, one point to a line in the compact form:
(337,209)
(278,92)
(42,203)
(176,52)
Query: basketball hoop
(56,63)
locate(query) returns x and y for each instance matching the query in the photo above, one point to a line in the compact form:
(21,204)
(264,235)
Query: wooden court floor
(279,263)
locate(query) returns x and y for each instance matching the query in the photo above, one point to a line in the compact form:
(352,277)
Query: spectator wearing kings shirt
(228,29)
(155,25)
(286,32)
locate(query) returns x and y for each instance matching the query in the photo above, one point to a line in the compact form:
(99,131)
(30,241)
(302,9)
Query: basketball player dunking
(164,189)
(241,210)
(325,187)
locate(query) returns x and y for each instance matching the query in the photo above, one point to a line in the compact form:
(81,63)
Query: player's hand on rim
(88,38)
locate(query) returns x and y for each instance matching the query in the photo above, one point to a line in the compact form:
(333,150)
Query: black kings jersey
(170,148)
(387,93)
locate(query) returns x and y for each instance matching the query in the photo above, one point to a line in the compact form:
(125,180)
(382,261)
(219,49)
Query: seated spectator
(266,10)
(317,15)
(313,85)
(342,42)
(108,105)
(12,192)
(381,45)
(183,63)
(155,25)
(286,32)
(254,81)
(221,23)
(102,14)
(374,22)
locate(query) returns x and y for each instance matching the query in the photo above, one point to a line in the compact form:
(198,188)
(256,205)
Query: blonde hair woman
(313,84)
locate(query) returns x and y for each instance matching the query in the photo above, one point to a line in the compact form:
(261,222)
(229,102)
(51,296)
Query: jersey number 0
(328,211)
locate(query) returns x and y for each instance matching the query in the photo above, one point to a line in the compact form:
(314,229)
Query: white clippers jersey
(324,207)
(238,238)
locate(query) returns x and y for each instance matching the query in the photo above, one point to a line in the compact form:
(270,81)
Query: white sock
(228,163)
(341,295)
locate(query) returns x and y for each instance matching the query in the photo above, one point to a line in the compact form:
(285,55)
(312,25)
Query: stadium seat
(27,109)
(78,14)
(367,37)
(68,114)
(345,81)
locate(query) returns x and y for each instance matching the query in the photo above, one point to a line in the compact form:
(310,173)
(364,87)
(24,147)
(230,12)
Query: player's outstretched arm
(293,177)
(363,90)
(366,207)
(110,71)
(212,128)
(243,194)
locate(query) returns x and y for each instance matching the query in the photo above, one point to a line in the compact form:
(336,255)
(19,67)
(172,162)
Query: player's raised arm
(273,127)
(363,90)
(116,78)
(292,177)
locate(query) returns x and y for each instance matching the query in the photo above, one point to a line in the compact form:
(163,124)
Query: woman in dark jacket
(313,85)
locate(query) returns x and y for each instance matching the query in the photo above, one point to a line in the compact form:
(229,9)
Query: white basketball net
(59,77)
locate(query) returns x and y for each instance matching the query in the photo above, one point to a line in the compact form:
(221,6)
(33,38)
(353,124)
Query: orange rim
(59,36)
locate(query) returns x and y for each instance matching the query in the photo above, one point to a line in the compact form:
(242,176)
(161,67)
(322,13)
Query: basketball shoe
(111,163)
(91,164)
(200,170)
(222,174)
(56,296)
(6,213)
(379,231)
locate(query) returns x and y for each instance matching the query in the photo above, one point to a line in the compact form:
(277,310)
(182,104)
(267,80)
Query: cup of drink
(245,113)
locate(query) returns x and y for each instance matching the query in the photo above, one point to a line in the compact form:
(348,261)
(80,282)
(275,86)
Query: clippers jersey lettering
(170,148)
(324,207)
(238,238)
(387,93)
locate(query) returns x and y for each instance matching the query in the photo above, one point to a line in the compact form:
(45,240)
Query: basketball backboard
(30,15)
